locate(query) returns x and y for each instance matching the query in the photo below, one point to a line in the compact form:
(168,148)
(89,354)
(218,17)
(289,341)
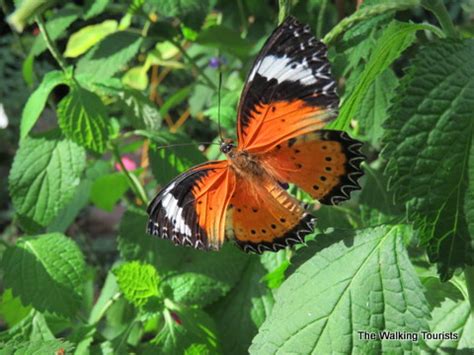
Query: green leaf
(109,56)
(395,39)
(227,110)
(55,346)
(107,190)
(191,12)
(168,162)
(11,309)
(202,277)
(374,106)
(175,99)
(241,312)
(451,314)
(108,293)
(323,305)
(83,118)
(44,177)
(94,8)
(51,269)
(136,78)
(40,329)
(193,277)
(68,214)
(138,282)
(37,101)
(183,328)
(469,201)
(429,136)
(225,39)
(141,112)
(81,41)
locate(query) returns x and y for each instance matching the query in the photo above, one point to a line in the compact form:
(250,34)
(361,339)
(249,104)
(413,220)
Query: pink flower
(127,162)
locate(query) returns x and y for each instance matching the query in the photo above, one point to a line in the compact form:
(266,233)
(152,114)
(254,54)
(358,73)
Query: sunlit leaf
(429,137)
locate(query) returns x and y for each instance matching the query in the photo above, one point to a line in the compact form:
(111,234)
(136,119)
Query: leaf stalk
(439,10)
(50,44)
(132,180)
(365,13)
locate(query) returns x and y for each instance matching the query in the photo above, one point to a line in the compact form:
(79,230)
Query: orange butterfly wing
(289,91)
(262,216)
(326,164)
(191,209)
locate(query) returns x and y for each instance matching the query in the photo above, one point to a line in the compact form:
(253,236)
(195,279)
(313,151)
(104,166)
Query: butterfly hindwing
(326,164)
(289,90)
(191,209)
(262,216)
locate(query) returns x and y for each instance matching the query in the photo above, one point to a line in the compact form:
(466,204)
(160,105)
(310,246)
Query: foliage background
(91,91)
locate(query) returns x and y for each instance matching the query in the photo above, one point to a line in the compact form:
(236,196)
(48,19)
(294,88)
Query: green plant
(125,80)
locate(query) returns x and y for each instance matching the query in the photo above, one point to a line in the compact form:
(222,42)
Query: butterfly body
(288,97)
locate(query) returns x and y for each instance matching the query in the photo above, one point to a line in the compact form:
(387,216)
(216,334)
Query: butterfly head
(227,145)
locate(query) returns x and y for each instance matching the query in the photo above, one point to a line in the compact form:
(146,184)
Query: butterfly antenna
(219,106)
(183,145)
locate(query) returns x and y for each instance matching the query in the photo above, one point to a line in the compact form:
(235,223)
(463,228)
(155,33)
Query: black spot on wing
(349,182)
(294,236)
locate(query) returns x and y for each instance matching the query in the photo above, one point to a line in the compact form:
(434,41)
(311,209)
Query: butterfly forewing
(289,90)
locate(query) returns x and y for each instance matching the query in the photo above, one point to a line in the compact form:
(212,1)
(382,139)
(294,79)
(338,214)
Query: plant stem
(469,275)
(322,11)
(193,63)
(439,10)
(50,44)
(243,20)
(365,13)
(284,10)
(133,182)
(106,307)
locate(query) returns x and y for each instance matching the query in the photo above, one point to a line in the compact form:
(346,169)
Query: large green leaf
(47,272)
(83,118)
(37,101)
(241,312)
(109,56)
(429,136)
(394,40)
(44,176)
(354,281)
(193,277)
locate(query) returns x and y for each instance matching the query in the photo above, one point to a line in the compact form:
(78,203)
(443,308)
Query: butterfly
(288,97)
